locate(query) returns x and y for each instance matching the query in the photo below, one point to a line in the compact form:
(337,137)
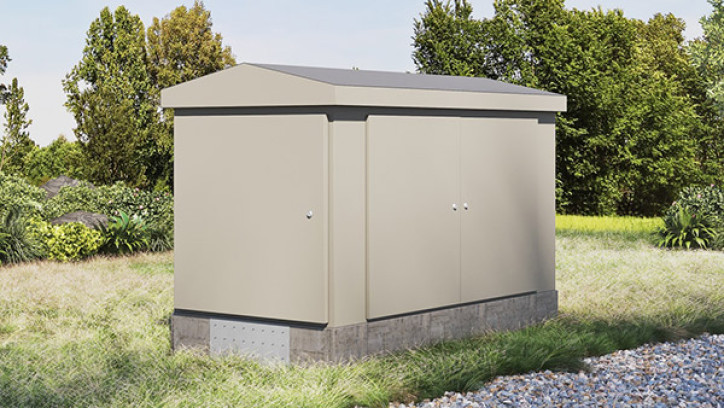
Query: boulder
(52,187)
(89,219)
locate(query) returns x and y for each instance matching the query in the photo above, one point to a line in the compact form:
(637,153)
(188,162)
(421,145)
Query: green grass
(619,228)
(96,333)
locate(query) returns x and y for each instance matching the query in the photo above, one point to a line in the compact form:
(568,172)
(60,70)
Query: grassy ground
(96,333)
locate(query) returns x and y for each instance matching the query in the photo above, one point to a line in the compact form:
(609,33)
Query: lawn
(96,333)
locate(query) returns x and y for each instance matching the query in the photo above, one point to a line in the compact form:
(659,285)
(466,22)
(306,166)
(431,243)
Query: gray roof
(385,79)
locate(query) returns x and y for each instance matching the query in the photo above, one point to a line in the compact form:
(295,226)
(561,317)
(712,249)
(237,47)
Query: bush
(61,157)
(155,208)
(18,243)
(15,192)
(69,242)
(686,230)
(70,199)
(124,234)
(695,219)
(160,238)
(703,201)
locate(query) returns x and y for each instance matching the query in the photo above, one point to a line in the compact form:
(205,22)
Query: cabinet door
(413,232)
(499,229)
(244,244)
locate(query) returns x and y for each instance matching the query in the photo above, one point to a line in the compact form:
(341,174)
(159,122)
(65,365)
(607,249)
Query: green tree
(4,59)
(110,94)
(627,143)
(181,46)
(708,53)
(61,157)
(15,143)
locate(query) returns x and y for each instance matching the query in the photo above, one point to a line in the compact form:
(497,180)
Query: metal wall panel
(244,242)
(413,231)
(501,248)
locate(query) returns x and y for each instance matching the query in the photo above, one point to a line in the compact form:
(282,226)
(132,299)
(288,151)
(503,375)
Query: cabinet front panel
(413,232)
(244,243)
(501,248)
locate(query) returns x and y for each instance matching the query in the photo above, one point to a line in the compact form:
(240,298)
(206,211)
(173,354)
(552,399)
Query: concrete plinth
(297,343)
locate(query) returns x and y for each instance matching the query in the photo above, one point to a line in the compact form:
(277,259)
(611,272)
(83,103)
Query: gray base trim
(359,340)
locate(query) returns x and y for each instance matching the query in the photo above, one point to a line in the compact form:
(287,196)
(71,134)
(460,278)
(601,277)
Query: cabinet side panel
(413,232)
(502,252)
(244,245)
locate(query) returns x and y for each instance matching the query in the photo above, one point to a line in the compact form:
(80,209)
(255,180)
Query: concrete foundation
(359,340)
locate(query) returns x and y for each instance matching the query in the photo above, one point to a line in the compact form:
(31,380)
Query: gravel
(682,374)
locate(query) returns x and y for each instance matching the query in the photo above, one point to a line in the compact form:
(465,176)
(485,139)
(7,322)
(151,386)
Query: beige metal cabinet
(344,212)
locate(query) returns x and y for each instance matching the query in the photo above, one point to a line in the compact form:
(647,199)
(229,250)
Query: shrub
(160,238)
(70,199)
(695,219)
(124,234)
(155,208)
(19,243)
(703,201)
(61,157)
(685,229)
(15,192)
(69,242)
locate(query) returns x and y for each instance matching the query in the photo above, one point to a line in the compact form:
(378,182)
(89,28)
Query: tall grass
(96,333)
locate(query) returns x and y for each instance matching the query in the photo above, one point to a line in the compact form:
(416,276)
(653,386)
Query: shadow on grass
(557,345)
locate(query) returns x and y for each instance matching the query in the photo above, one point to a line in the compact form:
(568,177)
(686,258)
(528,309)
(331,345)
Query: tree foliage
(630,139)
(181,46)
(4,59)
(110,94)
(61,157)
(708,52)
(15,143)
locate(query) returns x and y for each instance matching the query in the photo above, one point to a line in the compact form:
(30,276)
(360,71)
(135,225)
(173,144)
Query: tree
(4,59)
(708,53)
(627,142)
(110,94)
(181,47)
(15,143)
(447,40)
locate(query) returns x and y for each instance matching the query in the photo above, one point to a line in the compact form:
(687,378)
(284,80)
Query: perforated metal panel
(266,341)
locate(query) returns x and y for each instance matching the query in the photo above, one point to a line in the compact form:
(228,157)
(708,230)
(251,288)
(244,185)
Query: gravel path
(683,374)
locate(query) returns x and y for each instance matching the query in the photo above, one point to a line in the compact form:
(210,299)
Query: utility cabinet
(330,214)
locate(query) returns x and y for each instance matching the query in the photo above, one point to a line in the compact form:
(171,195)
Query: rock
(89,219)
(52,187)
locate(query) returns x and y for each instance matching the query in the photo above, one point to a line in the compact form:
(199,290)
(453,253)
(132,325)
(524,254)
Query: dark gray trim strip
(477,302)
(240,318)
(360,113)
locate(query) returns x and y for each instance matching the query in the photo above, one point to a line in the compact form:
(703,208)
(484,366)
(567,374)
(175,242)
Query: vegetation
(114,90)
(4,58)
(695,219)
(639,125)
(59,158)
(140,221)
(15,144)
(96,333)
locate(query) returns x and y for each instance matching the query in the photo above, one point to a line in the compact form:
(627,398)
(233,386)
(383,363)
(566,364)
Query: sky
(45,39)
